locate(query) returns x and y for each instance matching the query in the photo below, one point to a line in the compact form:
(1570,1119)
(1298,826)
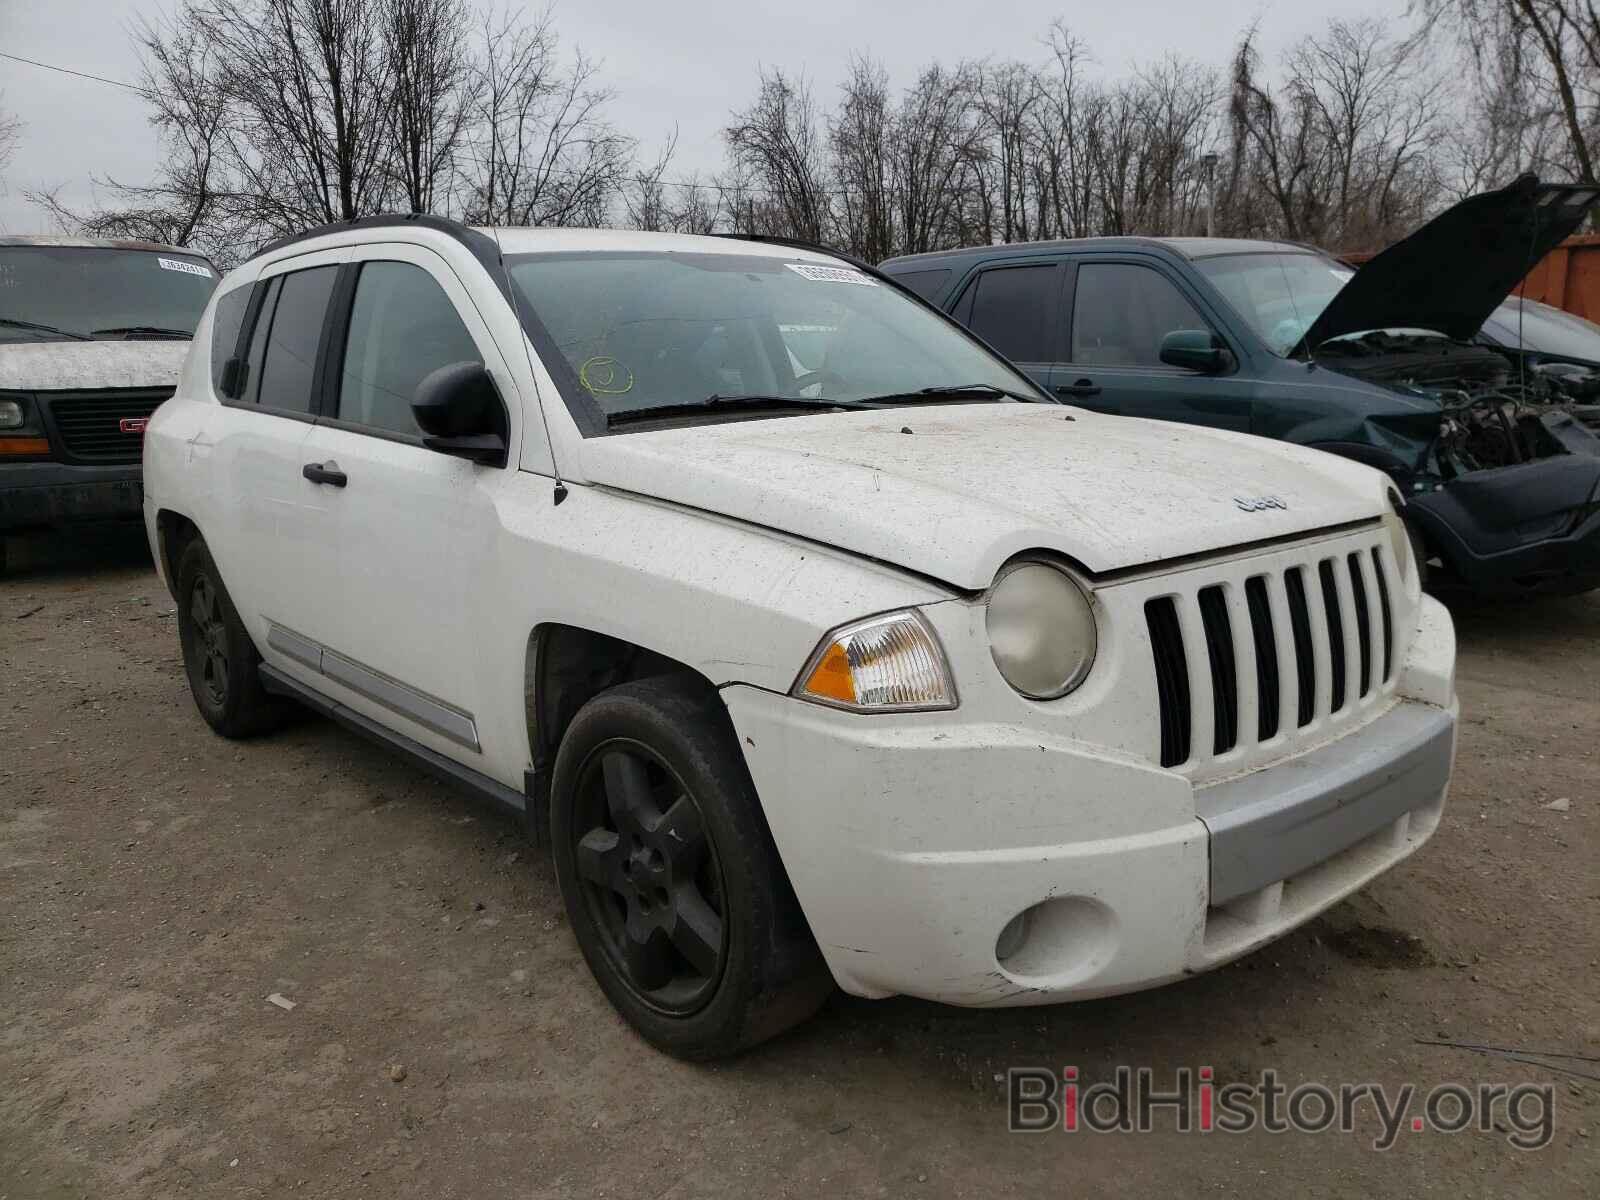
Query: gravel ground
(157,884)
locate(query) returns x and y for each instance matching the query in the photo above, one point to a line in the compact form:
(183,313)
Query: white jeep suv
(824,648)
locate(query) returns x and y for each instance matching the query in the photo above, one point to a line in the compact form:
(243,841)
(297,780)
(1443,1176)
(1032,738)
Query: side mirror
(1196,350)
(460,413)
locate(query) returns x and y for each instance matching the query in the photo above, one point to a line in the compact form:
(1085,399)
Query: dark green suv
(1384,366)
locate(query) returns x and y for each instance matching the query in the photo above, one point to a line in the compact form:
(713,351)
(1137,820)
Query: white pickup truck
(823,647)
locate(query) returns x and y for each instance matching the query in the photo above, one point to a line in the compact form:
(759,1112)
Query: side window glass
(250,385)
(287,377)
(226,322)
(1121,313)
(1011,311)
(402,328)
(923,283)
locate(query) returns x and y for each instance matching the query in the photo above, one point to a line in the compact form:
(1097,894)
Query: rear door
(1016,308)
(275,548)
(414,529)
(1120,310)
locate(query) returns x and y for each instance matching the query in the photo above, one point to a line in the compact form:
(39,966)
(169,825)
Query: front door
(1016,309)
(1121,311)
(414,529)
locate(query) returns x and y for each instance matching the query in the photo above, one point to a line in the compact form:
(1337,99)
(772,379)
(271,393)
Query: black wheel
(218,654)
(674,889)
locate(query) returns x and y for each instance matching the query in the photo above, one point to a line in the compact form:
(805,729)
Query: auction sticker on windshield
(172,264)
(830,274)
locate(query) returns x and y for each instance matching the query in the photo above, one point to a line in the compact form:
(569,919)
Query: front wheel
(675,892)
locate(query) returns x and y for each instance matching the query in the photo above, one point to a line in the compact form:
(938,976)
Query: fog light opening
(1059,941)
(1011,937)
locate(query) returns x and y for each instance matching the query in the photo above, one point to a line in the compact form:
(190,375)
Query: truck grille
(1242,661)
(88,426)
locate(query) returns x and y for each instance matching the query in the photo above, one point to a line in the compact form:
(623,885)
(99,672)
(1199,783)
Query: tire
(673,887)
(218,655)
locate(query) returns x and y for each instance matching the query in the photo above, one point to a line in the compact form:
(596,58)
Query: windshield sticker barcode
(830,274)
(172,264)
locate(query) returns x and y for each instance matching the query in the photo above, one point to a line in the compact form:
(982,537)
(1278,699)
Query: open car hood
(1451,274)
(953,491)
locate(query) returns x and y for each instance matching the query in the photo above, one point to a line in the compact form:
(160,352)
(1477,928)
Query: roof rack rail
(483,247)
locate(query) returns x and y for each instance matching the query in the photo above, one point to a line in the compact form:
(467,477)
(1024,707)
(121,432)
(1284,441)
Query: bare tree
(10,135)
(434,91)
(544,154)
(860,141)
(190,201)
(778,143)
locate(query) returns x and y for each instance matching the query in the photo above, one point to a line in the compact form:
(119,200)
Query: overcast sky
(683,64)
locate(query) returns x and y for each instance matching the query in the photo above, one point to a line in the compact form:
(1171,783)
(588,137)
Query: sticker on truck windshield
(172,264)
(830,274)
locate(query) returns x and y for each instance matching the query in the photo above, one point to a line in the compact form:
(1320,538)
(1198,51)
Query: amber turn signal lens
(890,663)
(24,445)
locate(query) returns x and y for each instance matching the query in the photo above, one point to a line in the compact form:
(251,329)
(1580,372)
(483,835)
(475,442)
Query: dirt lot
(157,884)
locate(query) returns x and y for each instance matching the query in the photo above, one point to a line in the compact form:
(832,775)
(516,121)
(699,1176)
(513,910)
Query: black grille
(1383,609)
(1224,673)
(1255,594)
(1294,582)
(1358,595)
(90,426)
(1335,618)
(1209,615)
(1172,679)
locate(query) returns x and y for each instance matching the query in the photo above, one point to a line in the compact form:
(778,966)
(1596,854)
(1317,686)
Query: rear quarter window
(226,322)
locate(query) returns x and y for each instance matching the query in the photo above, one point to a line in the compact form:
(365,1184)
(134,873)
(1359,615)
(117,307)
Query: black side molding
(480,787)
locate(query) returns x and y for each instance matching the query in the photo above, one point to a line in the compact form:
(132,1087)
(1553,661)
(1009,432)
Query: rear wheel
(218,655)
(672,884)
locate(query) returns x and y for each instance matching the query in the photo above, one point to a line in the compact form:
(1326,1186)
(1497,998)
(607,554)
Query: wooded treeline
(277,115)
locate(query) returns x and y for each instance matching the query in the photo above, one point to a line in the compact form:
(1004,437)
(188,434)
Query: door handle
(1082,387)
(327,472)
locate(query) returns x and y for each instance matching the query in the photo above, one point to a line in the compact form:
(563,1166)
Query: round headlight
(1041,630)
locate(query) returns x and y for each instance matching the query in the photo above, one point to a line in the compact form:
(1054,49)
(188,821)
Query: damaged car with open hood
(1384,365)
(822,646)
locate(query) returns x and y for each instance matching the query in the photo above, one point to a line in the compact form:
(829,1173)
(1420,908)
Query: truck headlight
(11,414)
(1041,630)
(891,663)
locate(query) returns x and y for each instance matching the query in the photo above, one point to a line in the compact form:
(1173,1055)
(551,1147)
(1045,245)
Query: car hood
(1450,275)
(953,491)
(75,366)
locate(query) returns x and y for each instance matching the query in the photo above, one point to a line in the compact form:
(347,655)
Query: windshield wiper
(150,331)
(13,323)
(716,401)
(943,390)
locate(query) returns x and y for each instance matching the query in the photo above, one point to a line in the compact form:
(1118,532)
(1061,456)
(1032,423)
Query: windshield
(1545,330)
(59,293)
(1279,294)
(653,330)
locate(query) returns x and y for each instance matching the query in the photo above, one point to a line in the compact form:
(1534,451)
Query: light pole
(1210,161)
